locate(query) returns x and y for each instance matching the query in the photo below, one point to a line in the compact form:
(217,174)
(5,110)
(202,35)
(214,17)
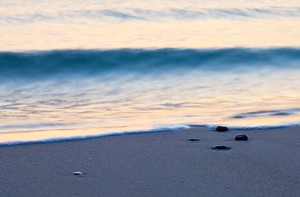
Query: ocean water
(76,69)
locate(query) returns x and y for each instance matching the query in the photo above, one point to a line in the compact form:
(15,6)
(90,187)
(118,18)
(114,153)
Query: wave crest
(93,62)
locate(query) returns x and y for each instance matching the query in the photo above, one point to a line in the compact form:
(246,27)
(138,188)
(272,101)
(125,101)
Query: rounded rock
(221,128)
(77,173)
(221,148)
(194,140)
(241,137)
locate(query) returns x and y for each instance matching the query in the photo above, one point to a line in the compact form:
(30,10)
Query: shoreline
(157,164)
(173,128)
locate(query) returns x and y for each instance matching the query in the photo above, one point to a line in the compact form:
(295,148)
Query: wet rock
(221,148)
(77,173)
(194,140)
(221,128)
(241,137)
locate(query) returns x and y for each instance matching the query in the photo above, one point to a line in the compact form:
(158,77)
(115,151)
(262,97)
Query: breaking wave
(43,64)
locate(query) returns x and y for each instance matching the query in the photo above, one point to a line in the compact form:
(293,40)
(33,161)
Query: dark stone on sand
(77,173)
(194,140)
(241,137)
(221,148)
(221,128)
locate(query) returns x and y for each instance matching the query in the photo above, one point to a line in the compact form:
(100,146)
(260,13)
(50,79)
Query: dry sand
(157,164)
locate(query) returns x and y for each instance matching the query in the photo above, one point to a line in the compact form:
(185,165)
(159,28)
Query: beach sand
(157,164)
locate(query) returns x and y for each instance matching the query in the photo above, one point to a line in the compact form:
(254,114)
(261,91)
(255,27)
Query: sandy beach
(157,164)
(124,98)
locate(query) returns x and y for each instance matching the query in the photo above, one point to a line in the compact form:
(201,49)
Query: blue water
(38,65)
(72,69)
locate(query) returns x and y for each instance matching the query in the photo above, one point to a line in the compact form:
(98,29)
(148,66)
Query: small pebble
(241,137)
(221,148)
(194,140)
(77,173)
(221,128)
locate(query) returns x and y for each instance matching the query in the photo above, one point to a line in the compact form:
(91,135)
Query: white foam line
(159,128)
(165,128)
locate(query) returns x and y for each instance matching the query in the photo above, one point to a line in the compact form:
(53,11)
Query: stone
(194,140)
(221,148)
(221,128)
(241,137)
(77,173)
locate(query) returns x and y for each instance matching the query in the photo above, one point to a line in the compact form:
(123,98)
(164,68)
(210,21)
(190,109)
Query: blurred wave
(92,62)
(151,14)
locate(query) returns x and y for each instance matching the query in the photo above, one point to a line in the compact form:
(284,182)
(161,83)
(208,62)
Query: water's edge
(173,128)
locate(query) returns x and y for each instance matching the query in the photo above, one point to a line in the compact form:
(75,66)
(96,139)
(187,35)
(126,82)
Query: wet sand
(157,164)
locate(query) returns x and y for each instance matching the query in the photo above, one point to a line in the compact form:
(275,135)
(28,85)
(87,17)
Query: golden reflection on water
(143,103)
(140,125)
(42,25)
(263,121)
(199,34)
